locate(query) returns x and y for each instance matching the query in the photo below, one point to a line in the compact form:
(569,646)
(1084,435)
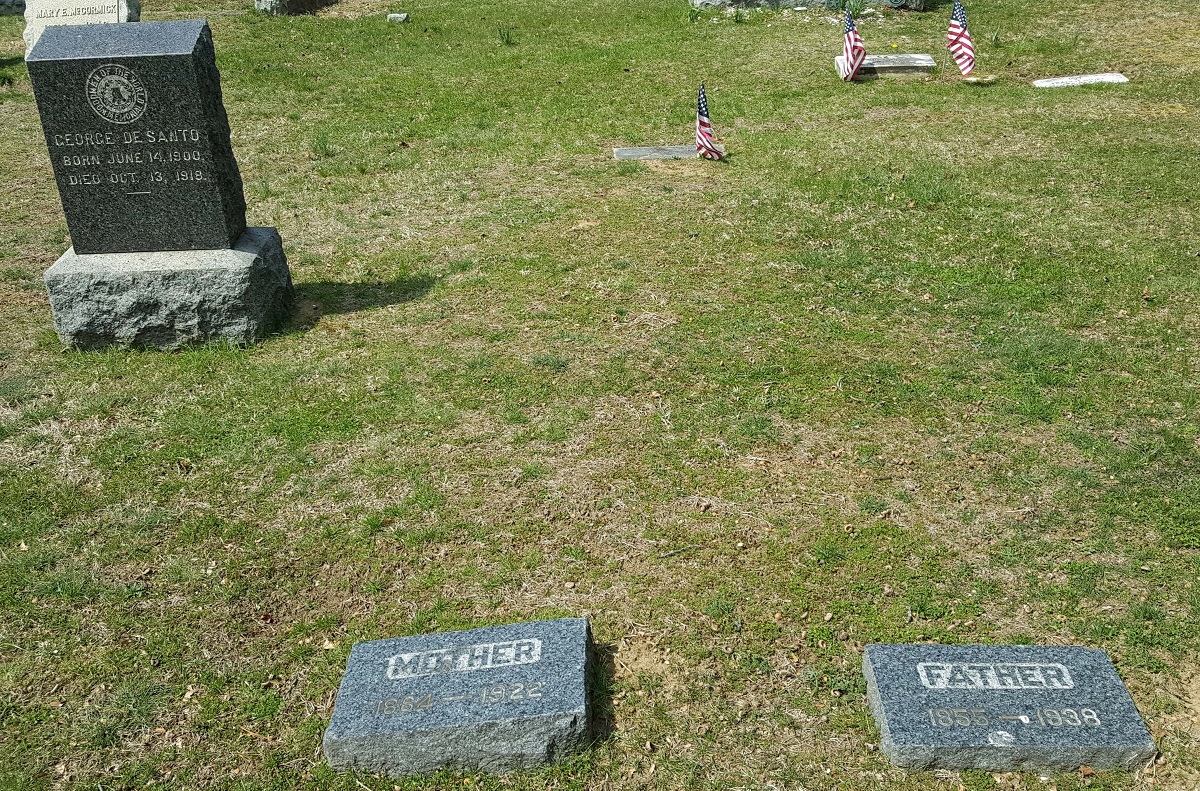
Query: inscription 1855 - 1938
(138,137)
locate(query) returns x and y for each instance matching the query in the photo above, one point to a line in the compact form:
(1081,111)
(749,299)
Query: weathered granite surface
(1081,79)
(290,7)
(907,65)
(1001,708)
(40,14)
(138,136)
(655,152)
(165,300)
(494,699)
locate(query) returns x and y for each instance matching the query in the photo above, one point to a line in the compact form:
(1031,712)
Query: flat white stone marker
(891,65)
(1081,79)
(656,152)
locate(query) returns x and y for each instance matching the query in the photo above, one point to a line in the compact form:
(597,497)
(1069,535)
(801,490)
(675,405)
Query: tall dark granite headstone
(1003,707)
(140,145)
(138,136)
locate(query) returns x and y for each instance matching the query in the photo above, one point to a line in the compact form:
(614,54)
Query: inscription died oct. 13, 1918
(1003,707)
(495,699)
(138,137)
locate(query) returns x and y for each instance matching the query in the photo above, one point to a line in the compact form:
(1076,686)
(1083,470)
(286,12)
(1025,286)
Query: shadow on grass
(325,298)
(604,673)
(7,76)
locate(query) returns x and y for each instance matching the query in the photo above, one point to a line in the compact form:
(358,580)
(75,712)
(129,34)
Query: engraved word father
(972,675)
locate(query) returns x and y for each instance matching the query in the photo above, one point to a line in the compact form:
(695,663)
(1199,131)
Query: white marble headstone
(41,14)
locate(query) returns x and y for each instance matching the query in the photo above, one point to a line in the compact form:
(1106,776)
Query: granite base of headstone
(1081,79)
(40,14)
(655,152)
(496,699)
(876,66)
(290,7)
(140,145)
(167,300)
(1003,708)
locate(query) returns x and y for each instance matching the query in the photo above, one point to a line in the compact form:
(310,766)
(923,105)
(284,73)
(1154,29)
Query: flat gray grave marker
(494,699)
(891,66)
(1003,708)
(656,152)
(1080,79)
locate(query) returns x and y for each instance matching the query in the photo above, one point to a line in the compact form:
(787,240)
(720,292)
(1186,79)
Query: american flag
(853,51)
(958,40)
(705,146)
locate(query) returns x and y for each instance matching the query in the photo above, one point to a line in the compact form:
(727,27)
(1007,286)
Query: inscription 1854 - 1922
(495,699)
(1003,707)
(138,137)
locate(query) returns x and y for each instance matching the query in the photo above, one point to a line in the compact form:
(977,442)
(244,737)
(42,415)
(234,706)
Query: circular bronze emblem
(116,94)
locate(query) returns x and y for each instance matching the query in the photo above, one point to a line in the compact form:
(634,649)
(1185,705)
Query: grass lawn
(917,363)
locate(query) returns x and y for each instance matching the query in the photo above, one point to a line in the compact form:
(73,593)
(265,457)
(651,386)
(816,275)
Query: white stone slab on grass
(655,152)
(908,65)
(1080,79)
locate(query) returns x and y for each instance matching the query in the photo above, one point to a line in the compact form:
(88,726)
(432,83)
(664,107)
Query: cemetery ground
(917,363)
